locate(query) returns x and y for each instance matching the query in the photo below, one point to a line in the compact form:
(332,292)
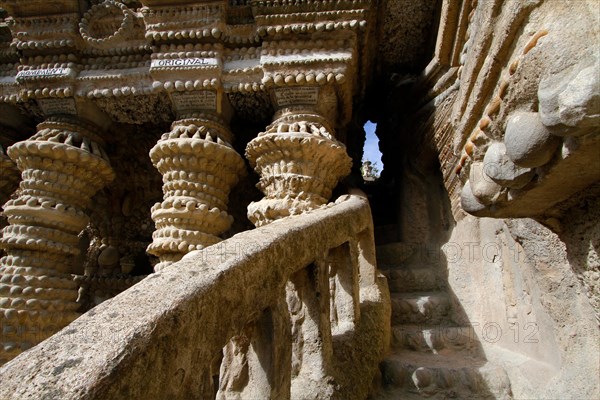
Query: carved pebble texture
(482,186)
(468,201)
(106,23)
(299,162)
(497,166)
(9,176)
(62,167)
(528,142)
(199,168)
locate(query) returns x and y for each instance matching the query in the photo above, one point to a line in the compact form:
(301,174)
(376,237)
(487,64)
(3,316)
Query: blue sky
(371,149)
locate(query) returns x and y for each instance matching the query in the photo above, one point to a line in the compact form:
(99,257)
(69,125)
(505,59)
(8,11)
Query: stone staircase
(433,355)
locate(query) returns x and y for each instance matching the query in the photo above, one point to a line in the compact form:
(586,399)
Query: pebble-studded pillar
(299,162)
(199,167)
(62,166)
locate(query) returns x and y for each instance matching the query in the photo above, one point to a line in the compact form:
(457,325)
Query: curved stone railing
(300,297)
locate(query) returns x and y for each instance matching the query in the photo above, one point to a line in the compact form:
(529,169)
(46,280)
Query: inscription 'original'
(184,62)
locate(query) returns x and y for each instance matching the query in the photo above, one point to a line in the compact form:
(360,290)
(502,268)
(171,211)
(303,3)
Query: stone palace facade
(181,215)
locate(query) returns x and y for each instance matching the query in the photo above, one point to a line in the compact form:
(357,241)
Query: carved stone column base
(199,167)
(35,303)
(299,162)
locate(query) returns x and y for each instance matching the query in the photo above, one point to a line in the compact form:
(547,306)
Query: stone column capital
(299,162)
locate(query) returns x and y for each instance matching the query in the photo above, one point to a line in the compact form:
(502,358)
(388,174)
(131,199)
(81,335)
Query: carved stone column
(299,162)
(9,179)
(62,166)
(9,176)
(199,168)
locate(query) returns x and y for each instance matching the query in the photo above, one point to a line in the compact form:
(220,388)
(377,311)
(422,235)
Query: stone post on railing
(299,162)
(199,167)
(63,165)
(196,158)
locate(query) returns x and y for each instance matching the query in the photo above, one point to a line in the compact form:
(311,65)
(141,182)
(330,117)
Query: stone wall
(509,109)
(581,235)
(520,291)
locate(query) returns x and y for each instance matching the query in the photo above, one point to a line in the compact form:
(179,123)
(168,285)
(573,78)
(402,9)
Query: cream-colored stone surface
(541,328)
(150,332)
(199,167)
(502,122)
(522,95)
(62,166)
(131,67)
(299,162)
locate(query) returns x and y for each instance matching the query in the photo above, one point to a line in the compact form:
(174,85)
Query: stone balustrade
(169,330)
(194,65)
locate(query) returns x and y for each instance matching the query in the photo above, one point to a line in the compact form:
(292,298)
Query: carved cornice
(143,55)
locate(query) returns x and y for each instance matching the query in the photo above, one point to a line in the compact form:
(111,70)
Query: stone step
(411,280)
(420,308)
(435,339)
(395,253)
(406,394)
(406,253)
(451,375)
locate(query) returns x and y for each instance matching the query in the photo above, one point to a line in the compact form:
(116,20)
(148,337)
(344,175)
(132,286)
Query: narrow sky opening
(372,164)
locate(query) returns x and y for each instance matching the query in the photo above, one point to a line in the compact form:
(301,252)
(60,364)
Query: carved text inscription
(197,100)
(44,73)
(297,96)
(184,63)
(55,106)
